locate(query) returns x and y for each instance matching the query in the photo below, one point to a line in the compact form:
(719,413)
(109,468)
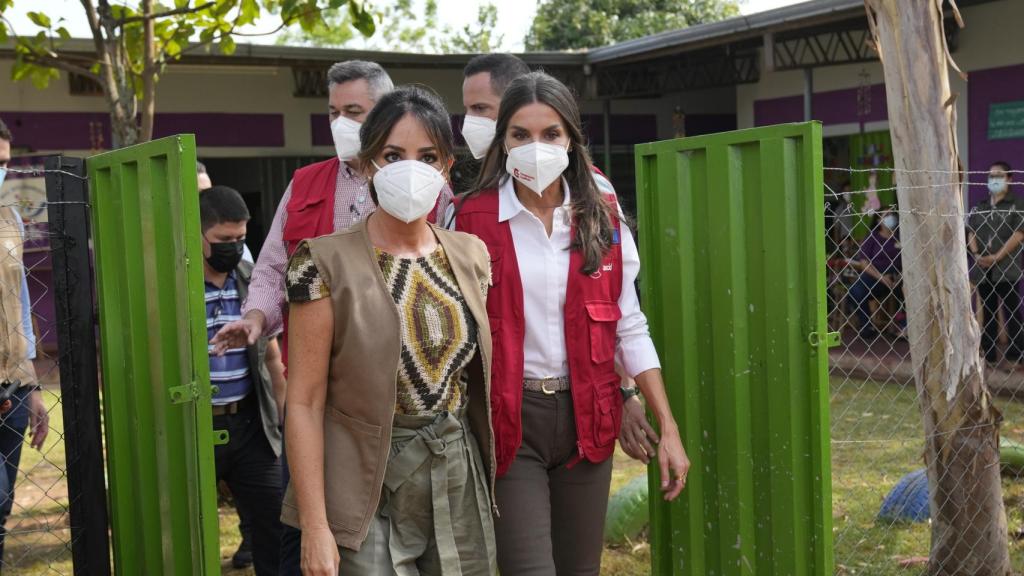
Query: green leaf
(40,19)
(248,12)
(63,33)
(20,70)
(41,76)
(3,33)
(362,19)
(227,45)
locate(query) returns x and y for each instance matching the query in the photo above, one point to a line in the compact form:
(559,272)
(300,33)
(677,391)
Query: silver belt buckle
(544,389)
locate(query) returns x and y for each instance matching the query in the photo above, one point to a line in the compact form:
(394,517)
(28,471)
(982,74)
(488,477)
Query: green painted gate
(156,392)
(732,235)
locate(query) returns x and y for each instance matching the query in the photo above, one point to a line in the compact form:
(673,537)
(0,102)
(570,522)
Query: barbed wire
(911,171)
(42,171)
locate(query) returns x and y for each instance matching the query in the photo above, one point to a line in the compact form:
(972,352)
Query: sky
(514,16)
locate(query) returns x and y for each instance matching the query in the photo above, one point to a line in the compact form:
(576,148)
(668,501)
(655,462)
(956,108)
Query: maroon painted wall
(83,130)
(985,87)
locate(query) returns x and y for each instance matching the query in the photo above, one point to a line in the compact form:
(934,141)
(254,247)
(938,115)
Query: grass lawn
(876,439)
(876,435)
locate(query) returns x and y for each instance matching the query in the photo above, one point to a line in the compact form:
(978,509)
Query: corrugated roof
(740,26)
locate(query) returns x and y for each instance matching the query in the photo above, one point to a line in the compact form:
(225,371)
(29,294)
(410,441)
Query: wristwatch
(629,392)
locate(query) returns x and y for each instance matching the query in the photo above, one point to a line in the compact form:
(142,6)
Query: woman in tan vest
(388,425)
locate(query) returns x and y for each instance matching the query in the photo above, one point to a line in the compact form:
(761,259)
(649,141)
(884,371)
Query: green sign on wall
(1006,120)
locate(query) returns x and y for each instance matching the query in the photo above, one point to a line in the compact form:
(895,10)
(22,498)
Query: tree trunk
(969,532)
(115,74)
(149,73)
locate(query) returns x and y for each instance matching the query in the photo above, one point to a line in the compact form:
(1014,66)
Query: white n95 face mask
(537,164)
(478,132)
(345,132)
(408,189)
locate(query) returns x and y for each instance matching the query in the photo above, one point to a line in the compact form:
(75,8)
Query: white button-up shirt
(544,270)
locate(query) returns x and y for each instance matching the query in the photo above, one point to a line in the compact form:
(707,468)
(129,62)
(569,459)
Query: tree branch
(175,12)
(59,64)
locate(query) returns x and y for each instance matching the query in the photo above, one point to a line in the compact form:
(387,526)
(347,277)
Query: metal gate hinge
(220,437)
(831,339)
(184,393)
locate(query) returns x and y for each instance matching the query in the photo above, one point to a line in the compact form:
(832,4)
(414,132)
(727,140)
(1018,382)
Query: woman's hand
(319,553)
(636,436)
(673,462)
(38,420)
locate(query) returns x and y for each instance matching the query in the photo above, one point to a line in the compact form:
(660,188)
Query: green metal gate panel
(156,390)
(732,235)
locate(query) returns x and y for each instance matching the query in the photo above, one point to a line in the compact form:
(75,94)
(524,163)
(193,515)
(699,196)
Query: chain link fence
(880,504)
(33,483)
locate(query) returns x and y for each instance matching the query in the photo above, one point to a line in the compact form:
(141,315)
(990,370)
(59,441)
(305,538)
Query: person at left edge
(26,409)
(322,198)
(244,404)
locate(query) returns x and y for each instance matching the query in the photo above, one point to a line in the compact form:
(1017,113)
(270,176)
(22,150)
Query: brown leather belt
(546,385)
(225,409)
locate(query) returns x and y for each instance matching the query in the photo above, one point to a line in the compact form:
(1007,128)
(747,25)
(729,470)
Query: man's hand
(238,334)
(987,262)
(38,420)
(637,437)
(673,462)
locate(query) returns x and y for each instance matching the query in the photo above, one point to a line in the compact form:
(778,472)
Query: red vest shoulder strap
(311,207)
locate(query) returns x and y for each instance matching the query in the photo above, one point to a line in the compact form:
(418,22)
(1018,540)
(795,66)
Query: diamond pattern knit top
(439,334)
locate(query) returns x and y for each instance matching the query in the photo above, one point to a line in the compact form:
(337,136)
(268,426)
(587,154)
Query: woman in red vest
(563,309)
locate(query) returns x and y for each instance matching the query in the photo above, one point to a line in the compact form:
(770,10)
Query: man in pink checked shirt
(305,210)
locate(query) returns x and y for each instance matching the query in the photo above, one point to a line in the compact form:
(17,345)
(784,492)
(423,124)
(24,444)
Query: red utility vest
(311,207)
(591,321)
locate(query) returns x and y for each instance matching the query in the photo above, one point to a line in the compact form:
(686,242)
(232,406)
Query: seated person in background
(879,266)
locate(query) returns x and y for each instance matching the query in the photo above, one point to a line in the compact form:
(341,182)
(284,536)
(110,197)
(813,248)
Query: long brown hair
(590,212)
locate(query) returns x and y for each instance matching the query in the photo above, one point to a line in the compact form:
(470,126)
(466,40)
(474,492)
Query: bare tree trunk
(115,73)
(969,532)
(148,74)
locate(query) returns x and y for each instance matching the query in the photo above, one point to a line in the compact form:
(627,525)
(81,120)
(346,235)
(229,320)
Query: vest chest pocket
(303,216)
(603,323)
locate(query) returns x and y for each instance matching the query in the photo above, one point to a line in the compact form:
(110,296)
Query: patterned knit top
(439,333)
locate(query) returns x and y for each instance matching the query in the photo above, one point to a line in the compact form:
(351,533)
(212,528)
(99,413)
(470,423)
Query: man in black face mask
(243,404)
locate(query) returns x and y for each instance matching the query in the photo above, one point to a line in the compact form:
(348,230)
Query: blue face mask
(3,174)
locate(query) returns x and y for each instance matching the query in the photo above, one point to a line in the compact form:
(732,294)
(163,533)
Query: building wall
(246,111)
(991,39)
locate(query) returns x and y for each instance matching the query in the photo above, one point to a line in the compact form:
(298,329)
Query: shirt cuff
(637,355)
(274,323)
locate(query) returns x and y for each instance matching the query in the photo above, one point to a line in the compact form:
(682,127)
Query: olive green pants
(434,516)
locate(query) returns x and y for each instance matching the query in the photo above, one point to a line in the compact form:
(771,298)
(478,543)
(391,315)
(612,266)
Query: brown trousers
(551,516)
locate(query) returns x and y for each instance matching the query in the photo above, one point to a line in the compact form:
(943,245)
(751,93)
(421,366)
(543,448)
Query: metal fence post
(67,197)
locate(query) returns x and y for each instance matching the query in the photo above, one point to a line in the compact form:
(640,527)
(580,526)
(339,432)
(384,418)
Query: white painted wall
(252,89)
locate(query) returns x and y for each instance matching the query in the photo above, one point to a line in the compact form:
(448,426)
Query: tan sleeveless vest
(14,363)
(363,370)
